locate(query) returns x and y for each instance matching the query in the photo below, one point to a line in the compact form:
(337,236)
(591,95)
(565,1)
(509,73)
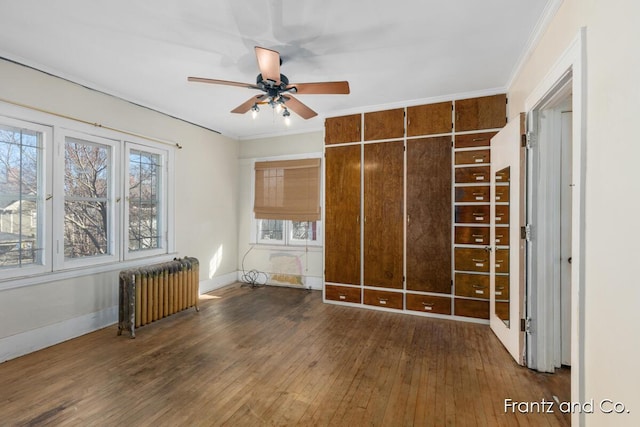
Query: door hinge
(525,232)
(525,325)
(528,140)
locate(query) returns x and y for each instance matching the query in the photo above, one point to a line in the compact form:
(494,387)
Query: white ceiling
(399,51)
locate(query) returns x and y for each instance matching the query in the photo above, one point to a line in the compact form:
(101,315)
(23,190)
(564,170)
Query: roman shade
(288,190)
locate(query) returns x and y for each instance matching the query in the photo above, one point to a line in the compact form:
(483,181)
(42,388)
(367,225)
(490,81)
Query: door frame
(572,64)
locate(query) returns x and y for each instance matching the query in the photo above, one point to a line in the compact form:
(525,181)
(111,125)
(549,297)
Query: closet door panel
(342,129)
(383,214)
(429,215)
(342,206)
(487,112)
(429,119)
(388,124)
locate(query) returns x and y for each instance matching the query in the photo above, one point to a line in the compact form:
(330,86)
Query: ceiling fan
(276,87)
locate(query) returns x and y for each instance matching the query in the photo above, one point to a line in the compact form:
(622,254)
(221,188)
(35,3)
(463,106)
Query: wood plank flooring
(277,356)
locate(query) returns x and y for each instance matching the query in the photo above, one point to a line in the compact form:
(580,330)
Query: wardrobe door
(388,124)
(343,129)
(487,112)
(429,215)
(342,216)
(383,214)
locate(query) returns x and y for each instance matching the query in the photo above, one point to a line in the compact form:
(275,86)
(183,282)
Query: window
(145,171)
(287,202)
(146,195)
(83,199)
(282,232)
(21,163)
(87,182)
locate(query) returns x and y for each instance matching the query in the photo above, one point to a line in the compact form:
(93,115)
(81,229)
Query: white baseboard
(46,336)
(218,282)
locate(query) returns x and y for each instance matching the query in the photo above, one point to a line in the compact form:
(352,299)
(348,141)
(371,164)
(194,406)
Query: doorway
(549,258)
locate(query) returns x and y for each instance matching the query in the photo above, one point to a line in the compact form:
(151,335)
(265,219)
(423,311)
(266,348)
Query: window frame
(166,200)
(44,220)
(113,243)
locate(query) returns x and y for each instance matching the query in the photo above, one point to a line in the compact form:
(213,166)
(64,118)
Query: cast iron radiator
(152,292)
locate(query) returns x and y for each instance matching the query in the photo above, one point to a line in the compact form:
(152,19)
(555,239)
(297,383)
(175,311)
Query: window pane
(271,229)
(304,230)
(144,202)
(20,209)
(86,207)
(85,229)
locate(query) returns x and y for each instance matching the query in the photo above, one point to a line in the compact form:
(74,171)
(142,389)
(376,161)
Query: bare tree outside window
(20,159)
(144,200)
(86,187)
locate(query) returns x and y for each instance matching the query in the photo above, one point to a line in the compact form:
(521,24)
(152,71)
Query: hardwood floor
(278,356)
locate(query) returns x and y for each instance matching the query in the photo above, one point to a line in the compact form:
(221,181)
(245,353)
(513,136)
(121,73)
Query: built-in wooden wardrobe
(407,207)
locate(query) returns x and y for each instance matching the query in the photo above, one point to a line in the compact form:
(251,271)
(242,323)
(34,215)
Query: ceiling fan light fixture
(254,111)
(287,116)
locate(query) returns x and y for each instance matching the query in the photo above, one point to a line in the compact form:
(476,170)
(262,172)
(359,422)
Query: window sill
(288,248)
(38,279)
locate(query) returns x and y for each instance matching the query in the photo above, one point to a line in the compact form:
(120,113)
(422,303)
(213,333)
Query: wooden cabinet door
(342,216)
(487,112)
(429,119)
(383,214)
(429,215)
(342,129)
(388,124)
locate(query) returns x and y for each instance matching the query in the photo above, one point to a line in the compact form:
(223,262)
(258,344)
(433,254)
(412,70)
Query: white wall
(612,188)
(35,316)
(306,262)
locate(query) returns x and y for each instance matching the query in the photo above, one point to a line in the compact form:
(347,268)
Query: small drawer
(342,293)
(472,157)
(428,304)
(503,175)
(471,308)
(383,298)
(477,174)
(502,288)
(478,214)
(472,285)
(502,193)
(472,235)
(502,261)
(473,194)
(502,236)
(470,259)
(502,214)
(474,140)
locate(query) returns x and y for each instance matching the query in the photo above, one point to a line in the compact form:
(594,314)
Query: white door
(507,270)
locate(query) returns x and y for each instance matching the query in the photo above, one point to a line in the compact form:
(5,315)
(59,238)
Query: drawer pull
(342,296)
(479,286)
(477,235)
(477,260)
(479,139)
(428,306)
(478,214)
(478,193)
(382,301)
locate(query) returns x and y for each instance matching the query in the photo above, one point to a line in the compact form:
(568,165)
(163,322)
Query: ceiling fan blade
(338,88)
(222,82)
(246,106)
(299,108)
(269,64)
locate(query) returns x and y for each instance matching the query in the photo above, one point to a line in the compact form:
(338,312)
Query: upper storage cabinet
(387,124)
(487,112)
(429,119)
(343,129)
